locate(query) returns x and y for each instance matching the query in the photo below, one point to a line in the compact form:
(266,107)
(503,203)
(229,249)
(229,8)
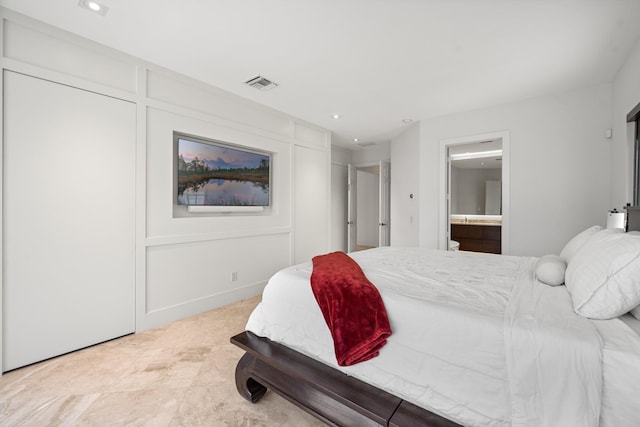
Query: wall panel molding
(44,49)
(182,273)
(208,237)
(203,98)
(311,136)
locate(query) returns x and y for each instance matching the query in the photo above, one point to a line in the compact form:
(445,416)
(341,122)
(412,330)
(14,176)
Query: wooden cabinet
(477,237)
(633,218)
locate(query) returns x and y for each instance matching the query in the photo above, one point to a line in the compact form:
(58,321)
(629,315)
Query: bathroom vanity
(477,233)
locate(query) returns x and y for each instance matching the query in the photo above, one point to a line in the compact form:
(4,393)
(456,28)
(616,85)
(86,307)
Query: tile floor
(181,374)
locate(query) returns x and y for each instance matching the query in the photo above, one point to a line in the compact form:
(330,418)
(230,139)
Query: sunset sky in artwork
(217,156)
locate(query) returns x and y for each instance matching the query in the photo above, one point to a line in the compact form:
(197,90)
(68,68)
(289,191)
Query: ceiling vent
(366,144)
(261,83)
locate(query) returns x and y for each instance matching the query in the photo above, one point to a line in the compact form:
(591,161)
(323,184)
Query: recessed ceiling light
(355,140)
(407,120)
(94,6)
(335,116)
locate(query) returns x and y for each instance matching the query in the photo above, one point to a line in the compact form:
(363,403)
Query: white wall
(626,95)
(184,262)
(311,189)
(560,166)
(372,154)
(340,156)
(405,177)
(560,156)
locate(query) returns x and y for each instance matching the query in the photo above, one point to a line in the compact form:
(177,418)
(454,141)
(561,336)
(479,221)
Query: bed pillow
(550,270)
(636,312)
(604,276)
(573,245)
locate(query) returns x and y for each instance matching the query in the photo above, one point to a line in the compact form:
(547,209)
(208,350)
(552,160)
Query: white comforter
(475,337)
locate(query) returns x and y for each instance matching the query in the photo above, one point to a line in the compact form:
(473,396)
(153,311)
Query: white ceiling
(374,62)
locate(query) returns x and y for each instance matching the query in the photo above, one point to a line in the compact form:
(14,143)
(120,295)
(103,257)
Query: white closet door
(68,223)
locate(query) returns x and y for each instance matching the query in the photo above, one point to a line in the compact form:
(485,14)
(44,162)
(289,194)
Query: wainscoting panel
(183,274)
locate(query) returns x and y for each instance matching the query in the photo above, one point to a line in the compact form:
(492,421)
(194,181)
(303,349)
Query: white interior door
(447,204)
(352,204)
(68,219)
(384,204)
(338,207)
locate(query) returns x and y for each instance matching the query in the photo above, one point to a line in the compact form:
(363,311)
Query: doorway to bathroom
(474,214)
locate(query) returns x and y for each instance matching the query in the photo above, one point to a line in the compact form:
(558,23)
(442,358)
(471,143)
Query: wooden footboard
(326,393)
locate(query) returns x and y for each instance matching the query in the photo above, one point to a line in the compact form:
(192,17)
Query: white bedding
(621,370)
(475,338)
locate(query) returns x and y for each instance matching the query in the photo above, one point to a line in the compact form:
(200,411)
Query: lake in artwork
(223,192)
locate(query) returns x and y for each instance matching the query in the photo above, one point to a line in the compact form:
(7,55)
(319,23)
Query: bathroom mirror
(476,178)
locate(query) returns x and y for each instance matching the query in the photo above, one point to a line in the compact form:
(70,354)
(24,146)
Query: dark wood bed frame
(324,392)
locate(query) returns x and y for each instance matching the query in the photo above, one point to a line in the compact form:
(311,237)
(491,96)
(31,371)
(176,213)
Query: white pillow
(550,270)
(600,235)
(573,245)
(604,276)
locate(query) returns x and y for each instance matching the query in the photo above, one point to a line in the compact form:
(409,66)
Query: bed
(478,340)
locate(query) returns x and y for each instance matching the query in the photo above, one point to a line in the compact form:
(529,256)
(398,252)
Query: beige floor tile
(181,374)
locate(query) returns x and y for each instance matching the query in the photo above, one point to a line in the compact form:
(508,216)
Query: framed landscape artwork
(215,173)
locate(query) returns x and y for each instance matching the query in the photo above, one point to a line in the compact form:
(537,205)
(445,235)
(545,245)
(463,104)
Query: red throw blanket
(352,308)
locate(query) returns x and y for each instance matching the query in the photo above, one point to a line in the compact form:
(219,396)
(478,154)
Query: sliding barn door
(68,219)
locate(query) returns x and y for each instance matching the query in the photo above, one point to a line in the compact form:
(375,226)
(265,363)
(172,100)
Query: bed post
(248,388)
